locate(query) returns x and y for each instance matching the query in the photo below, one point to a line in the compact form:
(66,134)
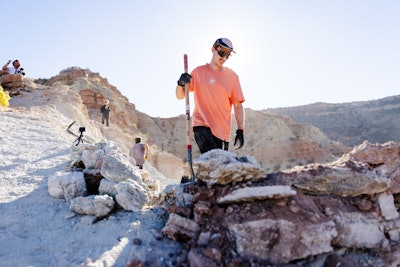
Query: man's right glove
(184,79)
(239,139)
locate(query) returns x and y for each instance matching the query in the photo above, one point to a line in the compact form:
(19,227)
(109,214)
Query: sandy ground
(39,230)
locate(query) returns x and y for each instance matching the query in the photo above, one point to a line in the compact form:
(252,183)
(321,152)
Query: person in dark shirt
(105,112)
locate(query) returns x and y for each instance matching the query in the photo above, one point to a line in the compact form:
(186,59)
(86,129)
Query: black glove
(239,139)
(184,79)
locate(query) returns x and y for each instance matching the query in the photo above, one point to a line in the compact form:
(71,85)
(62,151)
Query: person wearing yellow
(216,90)
(4,98)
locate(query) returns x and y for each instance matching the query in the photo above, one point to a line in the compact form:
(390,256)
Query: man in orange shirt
(216,89)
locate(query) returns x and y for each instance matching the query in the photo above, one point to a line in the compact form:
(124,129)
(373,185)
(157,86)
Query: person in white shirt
(15,68)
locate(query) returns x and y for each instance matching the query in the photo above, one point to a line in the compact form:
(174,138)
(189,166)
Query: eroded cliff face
(274,140)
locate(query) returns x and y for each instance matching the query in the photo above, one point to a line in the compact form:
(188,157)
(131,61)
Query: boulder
(131,195)
(67,185)
(12,82)
(221,167)
(95,205)
(116,166)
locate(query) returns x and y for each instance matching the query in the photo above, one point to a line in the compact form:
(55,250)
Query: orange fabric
(214,94)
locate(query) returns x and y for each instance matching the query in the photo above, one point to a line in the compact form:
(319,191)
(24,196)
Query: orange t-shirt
(214,94)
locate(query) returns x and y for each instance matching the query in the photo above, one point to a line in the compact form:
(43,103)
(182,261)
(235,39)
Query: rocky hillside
(236,212)
(274,140)
(86,91)
(377,121)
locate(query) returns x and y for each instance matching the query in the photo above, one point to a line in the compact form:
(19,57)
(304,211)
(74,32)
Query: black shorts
(206,141)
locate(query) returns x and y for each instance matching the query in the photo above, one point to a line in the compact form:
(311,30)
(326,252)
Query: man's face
(220,55)
(16,64)
(223,52)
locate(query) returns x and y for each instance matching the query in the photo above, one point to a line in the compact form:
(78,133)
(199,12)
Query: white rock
(94,205)
(67,185)
(131,195)
(116,167)
(388,209)
(218,166)
(257,193)
(73,184)
(107,186)
(77,151)
(91,157)
(53,185)
(356,230)
(150,181)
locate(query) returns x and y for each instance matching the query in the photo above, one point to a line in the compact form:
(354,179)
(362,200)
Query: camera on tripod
(79,139)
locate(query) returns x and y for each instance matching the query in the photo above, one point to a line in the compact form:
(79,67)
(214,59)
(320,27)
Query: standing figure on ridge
(216,89)
(139,152)
(105,112)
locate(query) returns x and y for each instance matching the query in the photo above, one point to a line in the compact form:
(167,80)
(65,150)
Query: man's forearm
(180,92)
(239,116)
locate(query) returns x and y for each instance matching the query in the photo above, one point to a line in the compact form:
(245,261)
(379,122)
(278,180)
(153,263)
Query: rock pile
(101,179)
(340,213)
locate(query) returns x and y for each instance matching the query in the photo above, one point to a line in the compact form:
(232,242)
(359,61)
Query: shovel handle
(185,62)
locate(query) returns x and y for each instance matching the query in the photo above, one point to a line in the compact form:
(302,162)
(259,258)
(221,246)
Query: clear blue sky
(289,52)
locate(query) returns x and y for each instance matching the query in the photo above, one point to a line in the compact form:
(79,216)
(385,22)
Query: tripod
(79,139)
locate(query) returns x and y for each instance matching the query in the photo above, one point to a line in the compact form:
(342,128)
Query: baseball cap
(225,42)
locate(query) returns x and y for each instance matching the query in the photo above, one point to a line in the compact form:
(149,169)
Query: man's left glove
(239,139)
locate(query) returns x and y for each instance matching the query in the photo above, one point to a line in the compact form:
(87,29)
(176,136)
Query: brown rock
(213,254)
(202,211)
(180,228)
(92,98)
(183,211)
(12,81)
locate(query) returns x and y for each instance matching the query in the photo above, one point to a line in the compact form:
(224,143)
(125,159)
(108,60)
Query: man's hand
(184,79)
(239,139)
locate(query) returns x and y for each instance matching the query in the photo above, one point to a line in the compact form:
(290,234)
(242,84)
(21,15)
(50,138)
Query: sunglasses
(223,53)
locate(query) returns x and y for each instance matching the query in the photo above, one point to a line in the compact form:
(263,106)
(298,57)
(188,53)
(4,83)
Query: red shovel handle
(185,62)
